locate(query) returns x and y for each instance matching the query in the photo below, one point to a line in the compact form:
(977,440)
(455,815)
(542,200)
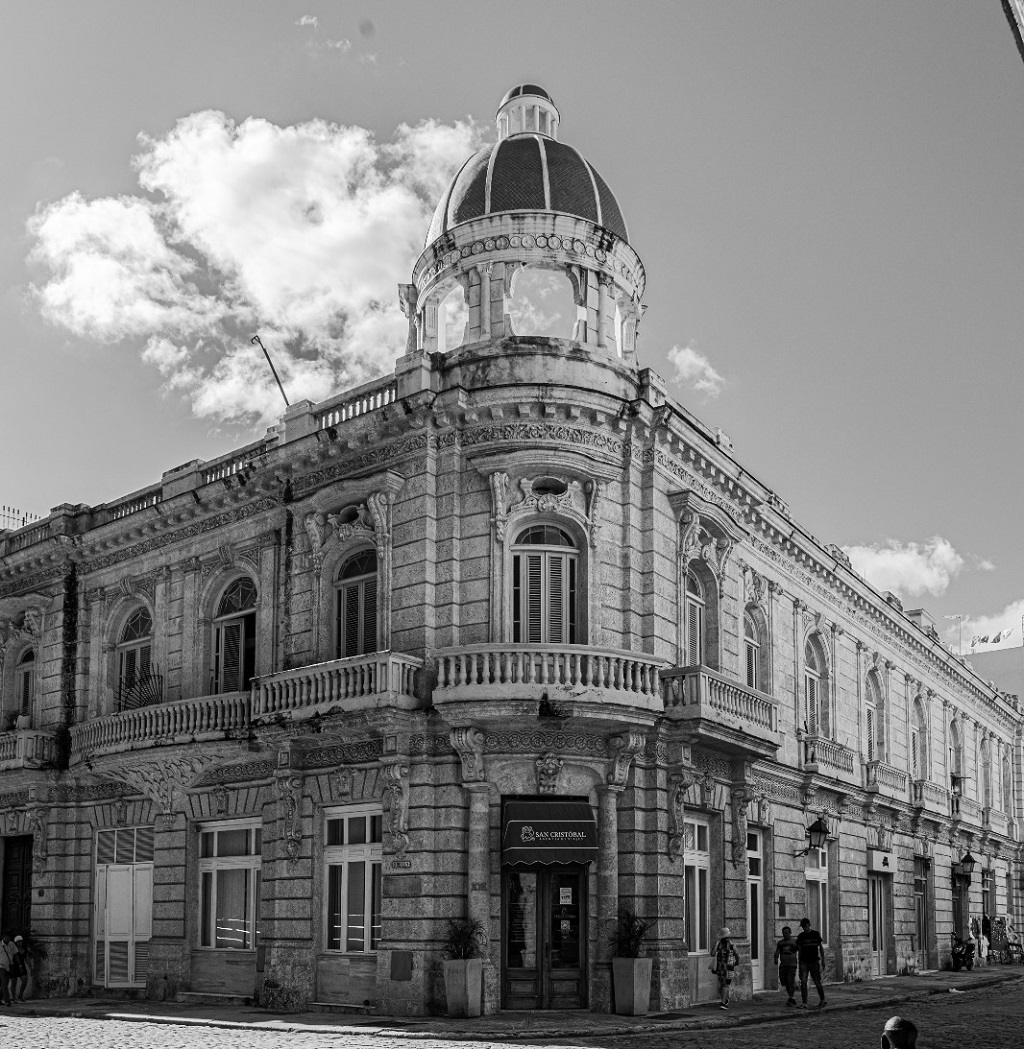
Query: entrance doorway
(544,922)
(755,908)
(878,924)
(921,944)
(17,885)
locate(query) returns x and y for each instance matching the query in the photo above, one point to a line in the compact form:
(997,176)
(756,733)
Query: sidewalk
(525,1026)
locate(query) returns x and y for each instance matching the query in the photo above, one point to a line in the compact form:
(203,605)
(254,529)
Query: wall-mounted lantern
(817,835)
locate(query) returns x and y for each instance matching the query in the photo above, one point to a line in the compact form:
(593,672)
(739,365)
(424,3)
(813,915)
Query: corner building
(509,634)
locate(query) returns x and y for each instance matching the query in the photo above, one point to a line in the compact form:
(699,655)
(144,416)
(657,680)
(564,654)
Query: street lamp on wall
(817,835)
(963,870)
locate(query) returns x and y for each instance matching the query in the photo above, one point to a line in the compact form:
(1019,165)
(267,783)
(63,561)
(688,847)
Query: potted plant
(463,968)
(631,974)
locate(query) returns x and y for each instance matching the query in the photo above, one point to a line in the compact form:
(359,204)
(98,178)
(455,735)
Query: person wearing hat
(899,1034)
(725,961)
(19,970)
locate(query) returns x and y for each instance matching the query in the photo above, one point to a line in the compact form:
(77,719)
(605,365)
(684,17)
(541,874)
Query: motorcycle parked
(962,955)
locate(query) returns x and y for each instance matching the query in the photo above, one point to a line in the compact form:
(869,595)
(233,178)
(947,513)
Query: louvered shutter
(128,668)
(871,733)
(230,656)
(349,611)
(751,666)
(915,760)
(694,624)
(145,653)
(142,931)
(534,599)
(26,689)
(556,599)
(811,696)
(369,639)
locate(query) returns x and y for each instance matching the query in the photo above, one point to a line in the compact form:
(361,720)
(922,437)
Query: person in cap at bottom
(725,959)
(899,1034)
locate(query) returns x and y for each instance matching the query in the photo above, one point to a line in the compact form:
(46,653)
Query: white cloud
(997,623)
(693,369)
(309,20)
(909,569)
(341,45)
(301,233)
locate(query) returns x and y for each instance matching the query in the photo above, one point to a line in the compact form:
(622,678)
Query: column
(478,899)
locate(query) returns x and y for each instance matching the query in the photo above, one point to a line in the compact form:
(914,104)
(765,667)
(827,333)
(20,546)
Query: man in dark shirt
(812,957)
(786,959)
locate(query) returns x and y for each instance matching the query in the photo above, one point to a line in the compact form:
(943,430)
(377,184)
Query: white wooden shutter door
(119,923)
(534,599)
(142,925)
(694,625)
(101,926)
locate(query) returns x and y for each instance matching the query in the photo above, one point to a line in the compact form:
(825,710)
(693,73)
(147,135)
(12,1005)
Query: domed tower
(527,200)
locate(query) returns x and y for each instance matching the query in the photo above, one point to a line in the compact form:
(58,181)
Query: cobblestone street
(989,1018)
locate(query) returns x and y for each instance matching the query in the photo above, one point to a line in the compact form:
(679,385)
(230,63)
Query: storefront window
(353,858)
(229,873)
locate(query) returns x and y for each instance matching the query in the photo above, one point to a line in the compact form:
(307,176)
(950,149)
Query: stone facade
(193,807)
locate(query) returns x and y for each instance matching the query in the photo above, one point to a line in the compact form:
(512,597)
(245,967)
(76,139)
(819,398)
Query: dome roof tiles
(527,172)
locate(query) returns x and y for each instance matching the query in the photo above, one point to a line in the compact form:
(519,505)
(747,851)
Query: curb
(535,1034)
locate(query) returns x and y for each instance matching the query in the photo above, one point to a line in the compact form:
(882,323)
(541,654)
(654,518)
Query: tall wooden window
(229,884)
(353,858)
(986,774)
(752,650)
(874,713)
(956,751)
(814,689)
(134,656)
(694,607)
(696,886)
(235,637)
(544,587)
(24,683)
(355,631)
(1007,786)
(918,742)
(816,878)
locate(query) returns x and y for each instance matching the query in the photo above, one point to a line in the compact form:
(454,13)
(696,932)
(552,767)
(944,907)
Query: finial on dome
(527,108)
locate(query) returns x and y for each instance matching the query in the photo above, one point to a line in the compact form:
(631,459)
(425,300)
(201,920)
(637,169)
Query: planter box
(463,981)
(631,980)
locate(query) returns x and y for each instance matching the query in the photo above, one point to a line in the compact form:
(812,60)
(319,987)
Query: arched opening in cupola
(542,303)
(452,315)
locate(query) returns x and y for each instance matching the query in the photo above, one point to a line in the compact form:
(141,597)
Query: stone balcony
(995,821)
(381,679)
(721,711)
(163,724)
(930,796)
(826,756)
(882,778)
(26,748)
(486,675)
(961,808)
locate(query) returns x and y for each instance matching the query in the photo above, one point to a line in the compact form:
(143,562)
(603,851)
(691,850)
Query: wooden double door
(544,923)
(16,913)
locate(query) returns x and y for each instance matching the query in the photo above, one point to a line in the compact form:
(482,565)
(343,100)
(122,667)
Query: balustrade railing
(879,776)
(26,748)
(229,465)
(928,795)
(348,683)
(718,697)
(188,719)
(575,668)
(820,750)
(25,537)
(364,399)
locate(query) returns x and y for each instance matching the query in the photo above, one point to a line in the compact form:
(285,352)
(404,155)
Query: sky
(825,195)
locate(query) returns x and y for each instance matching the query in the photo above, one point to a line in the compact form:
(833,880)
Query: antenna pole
(256,342)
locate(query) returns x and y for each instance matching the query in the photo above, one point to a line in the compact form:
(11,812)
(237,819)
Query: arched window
(874,714)
(815,689)
(545,565)
(134,656)
(25,682)
(235,637)
(355,632)
(918,742)
(694,607)
(752,651)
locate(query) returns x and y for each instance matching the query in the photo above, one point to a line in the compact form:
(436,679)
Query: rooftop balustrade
(721,710)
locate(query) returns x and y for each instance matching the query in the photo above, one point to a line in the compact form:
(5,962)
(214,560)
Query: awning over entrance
(537,831)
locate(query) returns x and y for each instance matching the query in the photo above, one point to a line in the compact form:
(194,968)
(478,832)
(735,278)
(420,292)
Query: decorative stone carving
(593,490)
(741,796)
(165,781)
(396,807)
(219,799)
(289,788)
(499,503)
(548,768)
(120,812)
(36,819)
(696,543)
(341,784)
(315,523)
(679,782)
(624,749)
(469,745)
(707,790)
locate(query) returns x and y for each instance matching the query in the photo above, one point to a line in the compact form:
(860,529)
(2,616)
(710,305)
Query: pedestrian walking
(725,961)
(812,958)
(786,958)
(20,966)
(899,1034)
(7,954)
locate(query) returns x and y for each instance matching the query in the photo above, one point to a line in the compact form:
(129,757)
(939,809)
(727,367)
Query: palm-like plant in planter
(631,974)
(463,968)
